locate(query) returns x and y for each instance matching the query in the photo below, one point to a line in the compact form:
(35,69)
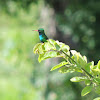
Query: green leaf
(59,65)
(87,67)
(98,98)
(98,65)
(35,49)
(87,82)
(48,46)
(63,46)
(73,52)
(97,79)
(64,69)
(52,41)
(41,48)
(78,58)
(49,54)
(40,57)
(97,89)
(78,79)
(57,47)
(86,90)
(85,58)
(95,70)
(69,68)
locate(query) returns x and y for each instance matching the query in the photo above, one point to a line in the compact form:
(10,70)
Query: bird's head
(41,30)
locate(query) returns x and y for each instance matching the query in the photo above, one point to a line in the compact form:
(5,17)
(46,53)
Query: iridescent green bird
(43,38)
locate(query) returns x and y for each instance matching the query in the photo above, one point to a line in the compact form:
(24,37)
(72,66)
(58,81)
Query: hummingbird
(43,38)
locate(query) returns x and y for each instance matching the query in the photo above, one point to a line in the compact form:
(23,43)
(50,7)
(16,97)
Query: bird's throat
(40,33)
(41,37)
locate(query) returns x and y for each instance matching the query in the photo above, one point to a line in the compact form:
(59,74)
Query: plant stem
(77,64)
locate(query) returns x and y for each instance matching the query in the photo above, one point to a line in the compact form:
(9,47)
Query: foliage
(73,62)
(21,77)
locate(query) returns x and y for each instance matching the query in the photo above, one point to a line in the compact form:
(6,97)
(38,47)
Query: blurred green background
(22,77)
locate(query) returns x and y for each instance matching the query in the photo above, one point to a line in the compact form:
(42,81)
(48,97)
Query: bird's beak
(34,30)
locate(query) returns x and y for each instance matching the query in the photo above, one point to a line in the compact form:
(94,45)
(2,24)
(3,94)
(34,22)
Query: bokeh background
(74,22)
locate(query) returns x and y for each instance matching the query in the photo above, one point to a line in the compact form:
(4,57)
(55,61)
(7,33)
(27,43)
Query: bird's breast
(41,37)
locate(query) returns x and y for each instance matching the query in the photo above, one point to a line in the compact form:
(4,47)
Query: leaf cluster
(73,62)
